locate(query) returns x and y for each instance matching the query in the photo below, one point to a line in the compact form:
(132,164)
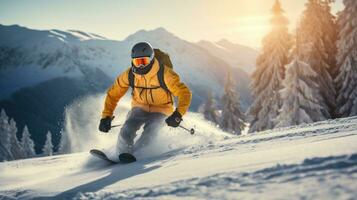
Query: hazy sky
(241,21)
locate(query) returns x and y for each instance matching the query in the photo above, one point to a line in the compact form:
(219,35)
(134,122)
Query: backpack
(164,61)
(163,58)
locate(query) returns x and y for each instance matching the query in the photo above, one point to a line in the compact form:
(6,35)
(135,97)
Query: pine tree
(232,118)
(208,109)
(302,100)
(347,60)
(317,39)
(27,143)
(5,152)
(267,78)
(48,147)
(330,37)
(16,148)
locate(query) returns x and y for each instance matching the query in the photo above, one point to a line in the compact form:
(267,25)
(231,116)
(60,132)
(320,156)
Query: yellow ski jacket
(150,100)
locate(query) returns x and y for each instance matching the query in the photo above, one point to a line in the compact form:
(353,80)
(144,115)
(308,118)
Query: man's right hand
(105,124)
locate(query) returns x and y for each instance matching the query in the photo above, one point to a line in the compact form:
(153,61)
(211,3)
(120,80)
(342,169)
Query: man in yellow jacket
(153,88)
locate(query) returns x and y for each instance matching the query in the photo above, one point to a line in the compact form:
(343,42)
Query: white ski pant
(136,118)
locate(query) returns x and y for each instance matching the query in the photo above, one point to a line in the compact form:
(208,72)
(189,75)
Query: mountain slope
(29,57)
(314,161)
(235,55)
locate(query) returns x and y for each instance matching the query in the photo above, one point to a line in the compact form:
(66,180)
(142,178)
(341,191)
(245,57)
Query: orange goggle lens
(142,61)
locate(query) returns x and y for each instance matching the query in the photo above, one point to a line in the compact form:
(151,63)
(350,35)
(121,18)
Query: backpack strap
(131,80)
(160,77)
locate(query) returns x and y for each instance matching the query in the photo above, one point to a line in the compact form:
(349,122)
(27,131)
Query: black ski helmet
(142,49)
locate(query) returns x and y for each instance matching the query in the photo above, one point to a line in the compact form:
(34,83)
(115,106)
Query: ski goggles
(141,61)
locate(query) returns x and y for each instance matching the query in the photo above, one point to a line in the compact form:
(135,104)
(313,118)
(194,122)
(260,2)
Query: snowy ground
(317,161)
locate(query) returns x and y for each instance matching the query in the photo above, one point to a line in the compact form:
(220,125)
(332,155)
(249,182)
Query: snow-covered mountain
(29,57)
(236,55)
(43,71)
(314,161)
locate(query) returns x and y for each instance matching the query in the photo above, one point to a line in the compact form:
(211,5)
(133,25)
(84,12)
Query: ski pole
(191,131)
(116,125)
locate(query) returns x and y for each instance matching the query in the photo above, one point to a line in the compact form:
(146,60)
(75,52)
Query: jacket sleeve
(179,90)
(114,93)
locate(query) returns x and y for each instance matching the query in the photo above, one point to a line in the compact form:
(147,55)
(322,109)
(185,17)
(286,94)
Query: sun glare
(250,27)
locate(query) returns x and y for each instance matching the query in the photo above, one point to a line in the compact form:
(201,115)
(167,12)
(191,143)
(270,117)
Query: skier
(153,87)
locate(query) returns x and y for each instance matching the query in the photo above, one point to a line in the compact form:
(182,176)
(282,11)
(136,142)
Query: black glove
(174,120)
(105,124)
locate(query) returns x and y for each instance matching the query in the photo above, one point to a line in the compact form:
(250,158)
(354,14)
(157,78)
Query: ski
(124,158)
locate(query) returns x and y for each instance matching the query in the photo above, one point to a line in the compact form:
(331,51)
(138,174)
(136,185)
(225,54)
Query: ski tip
(101,155)
(95,151)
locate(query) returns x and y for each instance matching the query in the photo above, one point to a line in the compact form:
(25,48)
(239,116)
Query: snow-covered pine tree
(16,148)
(27,143)
(208,109)
(269,74)
(300,95)
(315,37)
(232,118)
(5,152)
(347,60)
(48,147)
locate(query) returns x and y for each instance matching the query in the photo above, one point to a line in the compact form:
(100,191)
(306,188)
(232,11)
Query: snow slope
(314,161)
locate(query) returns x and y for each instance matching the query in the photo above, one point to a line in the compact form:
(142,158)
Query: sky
(240,21)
